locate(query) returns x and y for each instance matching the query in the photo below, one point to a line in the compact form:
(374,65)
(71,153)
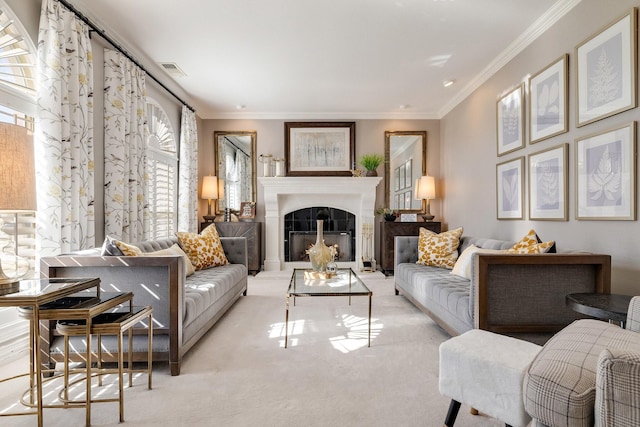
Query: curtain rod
(120,49)
(239,148)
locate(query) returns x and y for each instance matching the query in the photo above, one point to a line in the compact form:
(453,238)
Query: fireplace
(300,232)
(283,195)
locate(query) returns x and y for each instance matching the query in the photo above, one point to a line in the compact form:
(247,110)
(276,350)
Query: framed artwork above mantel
(319,148)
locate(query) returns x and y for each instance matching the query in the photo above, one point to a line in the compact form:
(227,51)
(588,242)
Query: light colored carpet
(240,374)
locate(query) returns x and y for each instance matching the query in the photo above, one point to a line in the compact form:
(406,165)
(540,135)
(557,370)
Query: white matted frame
(606,71)
(606,175)
(509,189)
(320,148)
(548,188)
(510,121)
(548,107)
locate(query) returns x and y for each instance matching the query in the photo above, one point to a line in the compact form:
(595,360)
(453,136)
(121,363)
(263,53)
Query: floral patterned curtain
(188,181)
(126,216)
(64,133)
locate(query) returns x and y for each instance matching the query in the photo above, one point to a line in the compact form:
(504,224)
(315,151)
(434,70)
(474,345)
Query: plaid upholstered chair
(587,374)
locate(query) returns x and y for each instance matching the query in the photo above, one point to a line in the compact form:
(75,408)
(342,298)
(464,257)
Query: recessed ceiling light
(240,107)
(404,106)
(448,83)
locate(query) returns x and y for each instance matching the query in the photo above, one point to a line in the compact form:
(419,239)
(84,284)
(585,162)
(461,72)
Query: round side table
(611,307)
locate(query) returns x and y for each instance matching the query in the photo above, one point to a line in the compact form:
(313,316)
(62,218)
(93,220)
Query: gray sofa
(514,294)
(184,308)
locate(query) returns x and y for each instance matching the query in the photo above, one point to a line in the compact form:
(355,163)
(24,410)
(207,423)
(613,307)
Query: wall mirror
(236,167)
(405,155)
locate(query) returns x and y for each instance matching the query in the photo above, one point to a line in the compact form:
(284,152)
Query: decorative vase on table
(319,254)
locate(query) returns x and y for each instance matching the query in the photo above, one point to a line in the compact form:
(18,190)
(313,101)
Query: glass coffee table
(308,283)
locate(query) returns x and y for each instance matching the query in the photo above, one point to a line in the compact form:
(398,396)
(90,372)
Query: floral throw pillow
(438,250)
(531,244)
(127,249)
(204,249)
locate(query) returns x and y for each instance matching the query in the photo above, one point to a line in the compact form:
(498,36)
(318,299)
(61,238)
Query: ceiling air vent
(173,69)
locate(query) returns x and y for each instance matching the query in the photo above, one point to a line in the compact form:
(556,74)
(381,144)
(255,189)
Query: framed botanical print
(606,71)
(509,188)
(548,189)
(606,175)
(548,105)
(510,121)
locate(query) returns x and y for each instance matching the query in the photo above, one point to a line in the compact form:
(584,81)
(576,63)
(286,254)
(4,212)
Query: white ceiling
(323,59)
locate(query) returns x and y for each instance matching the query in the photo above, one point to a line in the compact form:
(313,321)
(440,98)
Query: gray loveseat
(184,308)
(513,294)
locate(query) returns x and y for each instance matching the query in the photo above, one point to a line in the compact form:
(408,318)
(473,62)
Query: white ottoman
(486,371)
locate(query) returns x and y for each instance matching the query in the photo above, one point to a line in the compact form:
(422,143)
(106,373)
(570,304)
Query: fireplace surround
(282,195)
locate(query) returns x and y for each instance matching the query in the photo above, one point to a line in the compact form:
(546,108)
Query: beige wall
(369,139)
(469,152)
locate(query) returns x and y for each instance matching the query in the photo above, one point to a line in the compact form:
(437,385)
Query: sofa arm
(526,293)
(235,248)
(157,281)
(406,250)
(633,315)
(618,388)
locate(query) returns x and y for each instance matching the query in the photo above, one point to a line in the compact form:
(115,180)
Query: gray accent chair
(588,374)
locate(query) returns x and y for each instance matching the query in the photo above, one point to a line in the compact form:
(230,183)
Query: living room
(461,138)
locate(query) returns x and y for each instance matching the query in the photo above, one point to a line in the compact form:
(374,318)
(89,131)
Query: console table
(388,232)
(252,231)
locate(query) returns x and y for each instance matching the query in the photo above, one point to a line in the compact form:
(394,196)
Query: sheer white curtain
(64,133)
(126,216)
(188,181)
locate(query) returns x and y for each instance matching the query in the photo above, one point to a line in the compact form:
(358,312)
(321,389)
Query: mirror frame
(387,162)
(254,143)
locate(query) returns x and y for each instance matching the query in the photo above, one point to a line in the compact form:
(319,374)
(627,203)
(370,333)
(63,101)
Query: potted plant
(371,162)
(388,214)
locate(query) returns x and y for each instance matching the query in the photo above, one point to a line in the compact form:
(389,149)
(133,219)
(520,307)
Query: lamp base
(428,217)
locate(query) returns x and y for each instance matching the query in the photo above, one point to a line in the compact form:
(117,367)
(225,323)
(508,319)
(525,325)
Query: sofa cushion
(438,250)
(560,383)
(204,249)
(463,264)
(127,249)
(109,247)
(531,244)
(174,250)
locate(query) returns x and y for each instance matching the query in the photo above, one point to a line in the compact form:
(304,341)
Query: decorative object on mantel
(357,173)
(320,254)
(371,163)
(425,191)
(17,193)
(267,164)
(210,192)
(388,214)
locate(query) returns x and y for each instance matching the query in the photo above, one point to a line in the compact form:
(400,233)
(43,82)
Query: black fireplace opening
(300,231)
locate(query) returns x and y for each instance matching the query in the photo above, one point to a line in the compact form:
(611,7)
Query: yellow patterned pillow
(531,244)
(438,250)
(127,249)
(204,249)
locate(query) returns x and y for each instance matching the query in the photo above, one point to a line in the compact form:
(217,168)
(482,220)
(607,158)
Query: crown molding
(320,116)
(542,24)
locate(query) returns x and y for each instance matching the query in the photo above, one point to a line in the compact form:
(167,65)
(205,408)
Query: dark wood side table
(611,307)
(388,232)
(252,231)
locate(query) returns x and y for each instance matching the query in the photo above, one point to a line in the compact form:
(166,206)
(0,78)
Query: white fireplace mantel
(287,194)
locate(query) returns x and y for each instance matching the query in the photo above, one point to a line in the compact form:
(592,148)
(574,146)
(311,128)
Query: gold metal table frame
(306,283)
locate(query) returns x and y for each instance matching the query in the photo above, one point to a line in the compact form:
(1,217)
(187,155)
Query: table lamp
(209,192)
(17,194)
(425,191)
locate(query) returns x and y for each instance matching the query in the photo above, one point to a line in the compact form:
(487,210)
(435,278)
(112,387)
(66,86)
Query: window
(162,167)
(17,61)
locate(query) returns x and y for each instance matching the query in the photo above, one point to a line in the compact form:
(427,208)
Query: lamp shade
(17,170)
(210,187)
(425,188)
